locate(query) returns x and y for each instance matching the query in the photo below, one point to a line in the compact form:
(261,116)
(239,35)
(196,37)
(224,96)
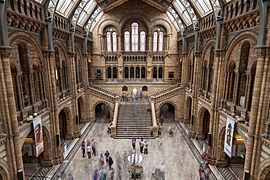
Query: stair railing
(115,117)
(154,127)
(158,97)
(102,93)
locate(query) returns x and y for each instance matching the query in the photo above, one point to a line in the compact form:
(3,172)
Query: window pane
(155,41)
(114,41)
(64,7)
(160,43)
(87,11)
(127,41)
(142,41)
(109,42)
(134,37)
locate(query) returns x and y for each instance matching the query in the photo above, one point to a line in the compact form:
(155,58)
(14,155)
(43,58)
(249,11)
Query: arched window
(210,70)
(109,73)
(243,73)
(158,39)
(114,72)
(155,72)
(131,72)
(204,75)
(109,44)
(127,41)
(155,41)
(137,72)
(111,40)
(143,72)
(160,72)
(58,71)
(114,42)
(135,37)
(126,72)
(231,79)
(142,41)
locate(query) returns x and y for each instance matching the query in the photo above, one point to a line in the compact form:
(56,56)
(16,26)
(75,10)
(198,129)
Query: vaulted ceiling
(86,13)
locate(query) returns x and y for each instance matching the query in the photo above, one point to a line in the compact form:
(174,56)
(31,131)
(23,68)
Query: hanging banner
(38,135)
(228,144)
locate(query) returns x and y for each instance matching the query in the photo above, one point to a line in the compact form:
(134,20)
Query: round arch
(25,37)
(204,121)
(188,110)
(246,36)
(162,22)
(4,173)
(210,43)
(81,107)
(167,111)
(264,169)
(140,18)
(61,46)
(102,111)
(64,120)
(108,22)
(221,139)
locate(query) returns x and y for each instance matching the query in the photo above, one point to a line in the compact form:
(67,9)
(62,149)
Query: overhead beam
(156,4)
(107,6)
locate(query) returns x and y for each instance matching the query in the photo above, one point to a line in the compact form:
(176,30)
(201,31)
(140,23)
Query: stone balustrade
(154,127)
(115,117)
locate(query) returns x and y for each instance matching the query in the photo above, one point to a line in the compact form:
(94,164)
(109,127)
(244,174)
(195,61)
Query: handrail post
(154,127)
(115,116)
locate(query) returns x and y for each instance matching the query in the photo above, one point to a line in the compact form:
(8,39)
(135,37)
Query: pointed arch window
(114,42)
(109,45)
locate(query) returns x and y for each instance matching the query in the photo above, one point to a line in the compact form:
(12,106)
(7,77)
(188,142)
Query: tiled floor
(172,151)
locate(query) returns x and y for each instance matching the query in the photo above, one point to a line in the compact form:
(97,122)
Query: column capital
(262,51)
(220,52)
(5,51)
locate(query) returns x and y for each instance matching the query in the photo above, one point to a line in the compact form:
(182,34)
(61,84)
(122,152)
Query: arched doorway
(36,152)
(102,112)
(80,110)
(63,123)
(167,113)
(206,123)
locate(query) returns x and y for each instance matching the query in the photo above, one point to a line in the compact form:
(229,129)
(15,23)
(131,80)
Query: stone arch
(102,102)
(62,47)
(204,118)
(163,23)
(264,169)
(245,36)
(135,17)
(106,23)
(81,110)
(23,36)
(101,112)
(47,153)
(4,173)
(188,110)
(207,46)
(66,124)
(165,114)
(220,149)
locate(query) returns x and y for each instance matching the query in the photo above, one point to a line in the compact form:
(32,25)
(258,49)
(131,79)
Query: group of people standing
(143,145)
(104,170)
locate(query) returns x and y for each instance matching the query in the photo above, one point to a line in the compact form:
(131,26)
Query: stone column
(184,79)
(256,117)
(74,128)
(50,88)
(9,114)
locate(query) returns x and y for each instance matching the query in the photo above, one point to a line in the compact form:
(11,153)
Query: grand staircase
(133,120)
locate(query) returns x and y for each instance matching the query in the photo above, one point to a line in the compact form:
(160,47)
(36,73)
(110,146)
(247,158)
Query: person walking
(89,148)
(95,175)
(141,143)
(133,142)
(83,148)
(145,147)
(110,162)
(94,149)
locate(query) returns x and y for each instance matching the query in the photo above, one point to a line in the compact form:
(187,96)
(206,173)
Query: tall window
(142,41)
(111,40)
(134,38)
(127,41)
(158,40)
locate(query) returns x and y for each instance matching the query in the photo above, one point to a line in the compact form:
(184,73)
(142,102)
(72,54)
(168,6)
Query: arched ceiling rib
(84,13)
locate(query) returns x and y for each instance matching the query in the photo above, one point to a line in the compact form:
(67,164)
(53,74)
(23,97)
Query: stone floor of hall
(179,163)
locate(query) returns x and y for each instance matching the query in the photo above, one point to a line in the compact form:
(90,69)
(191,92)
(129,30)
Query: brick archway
(167,111)
(66,124)
(4,173)
(103,113)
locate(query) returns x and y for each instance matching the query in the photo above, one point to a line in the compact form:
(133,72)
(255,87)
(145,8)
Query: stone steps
(133,119)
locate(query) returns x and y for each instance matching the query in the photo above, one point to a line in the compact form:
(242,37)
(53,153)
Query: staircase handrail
(103,90)
(115,117)
(166,90)
(154,127)
(110,97)
(170,92)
